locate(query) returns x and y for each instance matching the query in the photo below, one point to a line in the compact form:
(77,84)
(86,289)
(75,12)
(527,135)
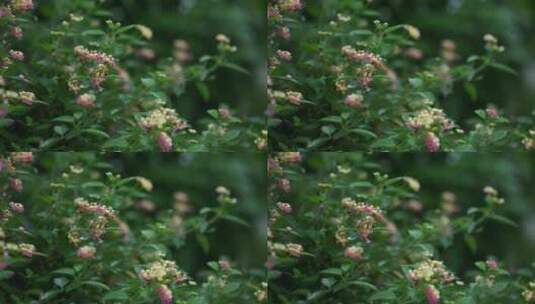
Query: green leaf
(363,284)
(503,219)
(504,68)
(328,130)
(96,284)
(384,295)
(328,282)
(96,133)
(202,88)
(64,271)
(115,295)
(235,67)
(235,219)
(332,271)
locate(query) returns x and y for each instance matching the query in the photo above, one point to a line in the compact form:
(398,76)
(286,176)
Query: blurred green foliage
(465,22)
(198,22)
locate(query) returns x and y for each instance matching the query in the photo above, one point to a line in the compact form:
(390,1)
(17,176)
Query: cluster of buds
(16,55)
(354,253)
(431,142)
(429,119)
(284,55)
(529,293)
(164,142)
(86,100)
(293,249)
(163,271)
(22,157)
(491,44)
(289,157)
(224,44)
(22,5)
(163,118)
(449,203)
(285,208)
(84,206)
(430,271)
(261,141)
(492,197)
(98,57)
(25,97)
(293,97)
(362,56)
(24,249)
(352,206)
(370,215)
(290,5)
(370,62)
(224,196)
(86,252)
(529,141)
(354,101)
(181,51)
(449,51)
(261,293)
(432,295)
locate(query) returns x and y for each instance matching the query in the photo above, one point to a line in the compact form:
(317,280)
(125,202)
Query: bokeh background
(466,22)
(197,174)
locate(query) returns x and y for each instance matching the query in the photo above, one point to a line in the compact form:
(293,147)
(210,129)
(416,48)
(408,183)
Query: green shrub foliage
(341,230)
(340,78)
(72,234)
(66,85)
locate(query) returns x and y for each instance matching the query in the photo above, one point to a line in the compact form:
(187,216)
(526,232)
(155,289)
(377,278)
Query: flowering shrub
(342,231)
(339,78)
(73,232)
(80,81)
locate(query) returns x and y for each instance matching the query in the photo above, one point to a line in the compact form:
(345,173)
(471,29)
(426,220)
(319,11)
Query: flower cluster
(430,271)
(163,271)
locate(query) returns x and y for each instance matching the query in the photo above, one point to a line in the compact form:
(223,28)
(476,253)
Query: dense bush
(72,230)
(340,78)
(342,230)
(77,80)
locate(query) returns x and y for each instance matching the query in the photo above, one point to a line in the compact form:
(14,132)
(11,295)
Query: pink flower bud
(284,33)
(432,142)
(290,5)
(16,55)
(224,264)
(16,207)
(284,207)
(16,32)
(164,294)
(284,55)
(224,112)
(22,5)
(16,184)
(492,112)
(22,157)
(492,264)
(86,252)
(432,295)
(86,101)
(354,253)
(354,101)
(284,185)
(164,142)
